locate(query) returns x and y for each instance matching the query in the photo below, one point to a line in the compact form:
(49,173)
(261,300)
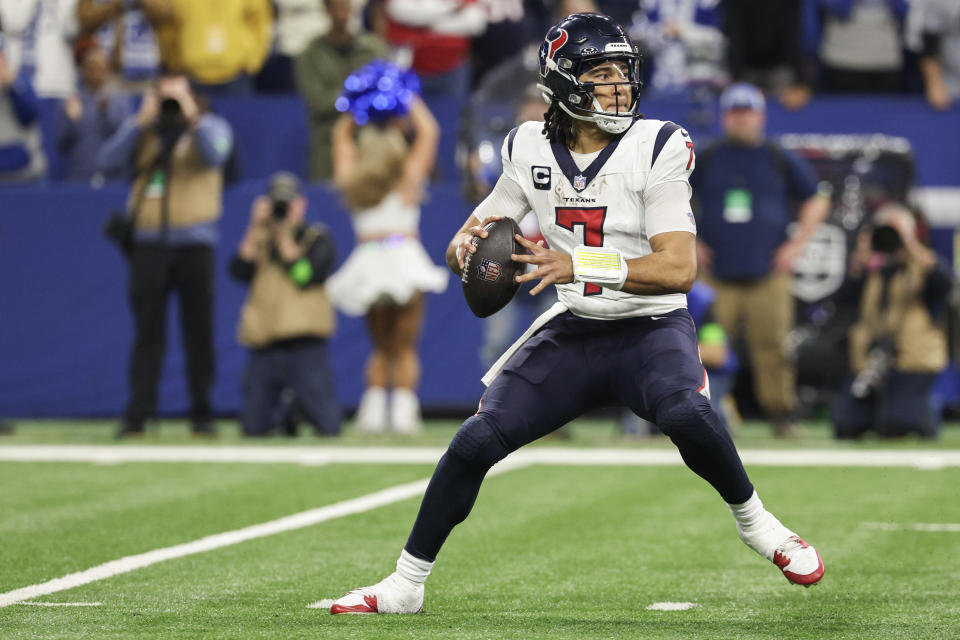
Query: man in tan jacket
(178,153)
(898,345)
(287,317)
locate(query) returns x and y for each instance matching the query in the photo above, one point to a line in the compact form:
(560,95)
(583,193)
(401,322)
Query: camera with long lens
(885,239)
(170,124)
(880,359)
(284,188)
(171,115)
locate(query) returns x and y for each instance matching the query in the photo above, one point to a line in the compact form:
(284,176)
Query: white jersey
(603,203)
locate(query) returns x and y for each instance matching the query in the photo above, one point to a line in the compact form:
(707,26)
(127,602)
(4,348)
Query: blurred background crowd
(827,191)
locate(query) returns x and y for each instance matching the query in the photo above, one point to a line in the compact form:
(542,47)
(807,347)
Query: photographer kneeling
(178,153)
(897,345)
(287,317)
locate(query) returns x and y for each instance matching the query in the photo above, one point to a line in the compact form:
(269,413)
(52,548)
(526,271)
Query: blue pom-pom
(378,91)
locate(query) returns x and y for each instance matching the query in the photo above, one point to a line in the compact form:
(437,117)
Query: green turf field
(549,552)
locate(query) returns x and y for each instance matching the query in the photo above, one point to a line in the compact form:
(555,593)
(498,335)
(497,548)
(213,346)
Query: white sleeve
(674,162)
(507,198)
(666,207)
(666,195)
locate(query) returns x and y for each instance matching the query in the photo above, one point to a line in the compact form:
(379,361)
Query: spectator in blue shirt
(21,156)
(89,117)
(743,187)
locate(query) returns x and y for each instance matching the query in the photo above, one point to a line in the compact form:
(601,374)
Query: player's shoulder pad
(665,132)
(522,136)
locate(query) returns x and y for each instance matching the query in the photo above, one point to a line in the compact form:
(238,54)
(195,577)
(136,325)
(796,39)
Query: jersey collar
(579,180)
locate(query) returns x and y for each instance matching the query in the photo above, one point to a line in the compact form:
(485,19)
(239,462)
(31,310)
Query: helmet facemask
(582,102)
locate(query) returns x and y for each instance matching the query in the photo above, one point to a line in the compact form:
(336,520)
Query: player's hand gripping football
(553,267)
(463,241)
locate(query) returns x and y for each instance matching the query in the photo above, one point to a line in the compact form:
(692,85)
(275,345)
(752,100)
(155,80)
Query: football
(488,275)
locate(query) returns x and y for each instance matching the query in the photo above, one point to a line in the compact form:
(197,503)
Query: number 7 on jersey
(591,219)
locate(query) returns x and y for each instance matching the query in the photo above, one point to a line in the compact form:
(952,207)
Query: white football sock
(748,513)
(757,527)
(412,568)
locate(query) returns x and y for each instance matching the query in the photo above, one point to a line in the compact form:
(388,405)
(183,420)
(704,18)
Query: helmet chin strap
(609,123)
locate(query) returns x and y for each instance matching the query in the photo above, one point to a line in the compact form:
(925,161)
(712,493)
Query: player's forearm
(660,273)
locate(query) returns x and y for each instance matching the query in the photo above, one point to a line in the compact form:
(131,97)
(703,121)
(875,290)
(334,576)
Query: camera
(170,125)
(284,188)
(170,113)
(885,239)
(889,224)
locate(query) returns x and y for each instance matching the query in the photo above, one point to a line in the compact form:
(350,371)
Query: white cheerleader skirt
(391,270)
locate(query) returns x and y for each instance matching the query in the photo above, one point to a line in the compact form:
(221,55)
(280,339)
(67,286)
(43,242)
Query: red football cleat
(799,562)
(393,594)
(367,605)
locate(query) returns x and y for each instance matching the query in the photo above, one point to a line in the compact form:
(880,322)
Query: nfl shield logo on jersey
(579,183)
(488,270)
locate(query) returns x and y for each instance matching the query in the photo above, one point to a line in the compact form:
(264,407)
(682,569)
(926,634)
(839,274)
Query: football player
(612,195)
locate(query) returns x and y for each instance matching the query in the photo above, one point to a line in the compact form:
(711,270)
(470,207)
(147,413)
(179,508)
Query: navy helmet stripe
(662,136)
(569,167)
(510,137)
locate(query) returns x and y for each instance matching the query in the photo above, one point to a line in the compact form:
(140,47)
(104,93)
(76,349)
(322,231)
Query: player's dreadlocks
(557,124)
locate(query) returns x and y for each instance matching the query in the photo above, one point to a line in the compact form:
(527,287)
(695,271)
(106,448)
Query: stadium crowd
(105,67)
(88,55)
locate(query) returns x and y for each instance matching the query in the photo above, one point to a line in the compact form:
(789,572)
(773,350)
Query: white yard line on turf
(114,454)
(312,456)
(671,606)
(925,527)
(62,604)
(288,523)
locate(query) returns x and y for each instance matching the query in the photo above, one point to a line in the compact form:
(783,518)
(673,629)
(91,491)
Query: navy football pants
(571,365)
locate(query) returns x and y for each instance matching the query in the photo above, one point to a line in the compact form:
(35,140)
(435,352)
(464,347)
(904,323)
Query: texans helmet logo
(488,270)
(557,42)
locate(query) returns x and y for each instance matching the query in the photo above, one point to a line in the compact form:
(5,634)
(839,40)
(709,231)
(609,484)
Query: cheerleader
(381,177)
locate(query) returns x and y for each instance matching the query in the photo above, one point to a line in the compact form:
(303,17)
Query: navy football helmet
(573,46)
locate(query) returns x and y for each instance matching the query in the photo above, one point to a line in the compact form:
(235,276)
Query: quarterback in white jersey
(611,193)
(600,198)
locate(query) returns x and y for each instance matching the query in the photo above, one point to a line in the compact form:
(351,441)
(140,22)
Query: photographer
(897,346)
(287,317)
(177,153)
